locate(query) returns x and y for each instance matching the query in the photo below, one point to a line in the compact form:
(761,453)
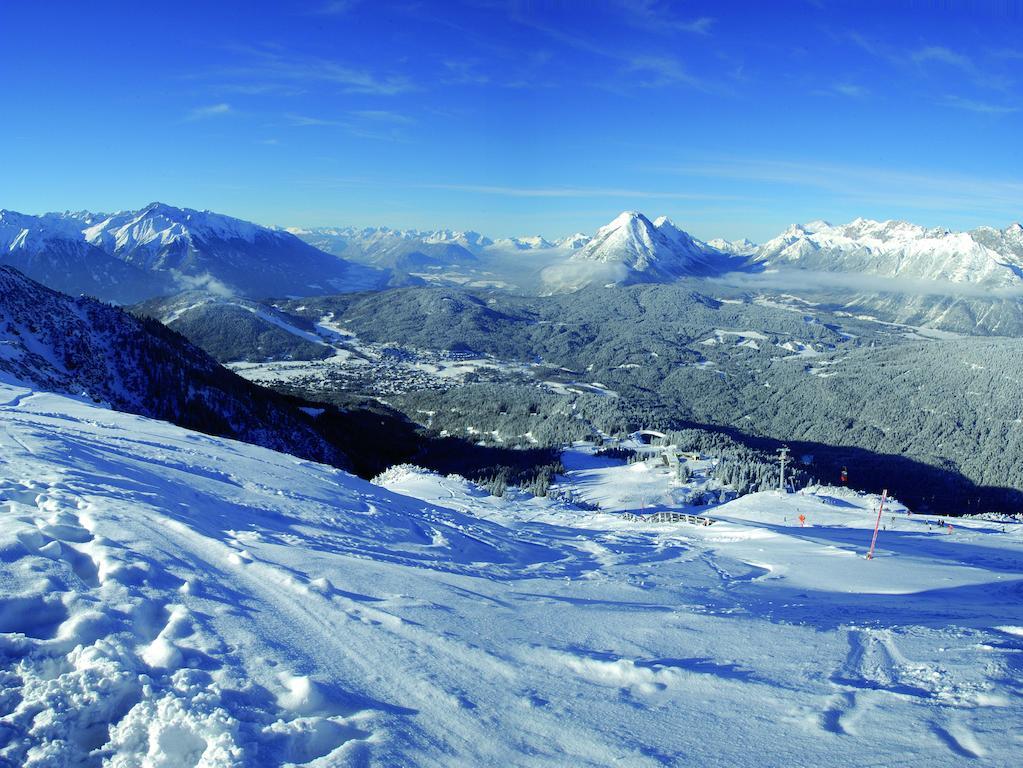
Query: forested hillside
(934,418)
(83,347)
(937,418)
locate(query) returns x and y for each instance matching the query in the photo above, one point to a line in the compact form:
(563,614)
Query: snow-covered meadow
(171,599)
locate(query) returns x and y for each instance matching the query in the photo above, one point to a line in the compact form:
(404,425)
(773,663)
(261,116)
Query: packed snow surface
(171,599)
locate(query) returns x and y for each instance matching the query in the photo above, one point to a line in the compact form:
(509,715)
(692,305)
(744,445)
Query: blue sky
(520,116)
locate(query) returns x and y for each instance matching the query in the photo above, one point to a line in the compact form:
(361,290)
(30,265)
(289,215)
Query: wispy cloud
(981,107)
(382,116)
(932,61)
(851,90)
(870,46)
(365,123)
(212,110)
(561,35)
(645,69)
(653,15)
(464,72)
(983,77)
(942,55)
(333,7)
(272,66)
(863,184)
(659,72)
(701,25)
(304,121)
(260,89)
(572,192)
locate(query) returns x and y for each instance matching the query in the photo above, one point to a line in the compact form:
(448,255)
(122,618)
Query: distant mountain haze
(162,250)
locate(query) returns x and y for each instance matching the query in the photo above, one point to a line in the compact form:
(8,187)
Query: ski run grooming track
(171,599)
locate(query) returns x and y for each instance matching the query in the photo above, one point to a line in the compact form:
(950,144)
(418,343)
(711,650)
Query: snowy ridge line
(134,255)
(632,248)
(160,249)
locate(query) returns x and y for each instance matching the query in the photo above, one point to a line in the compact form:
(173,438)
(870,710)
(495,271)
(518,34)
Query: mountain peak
(625,218)
(574,241)
(645,250)
(162,209)
(818,224)
(673,231)
(742,247)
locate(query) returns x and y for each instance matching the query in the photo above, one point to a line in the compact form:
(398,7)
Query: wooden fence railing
(668,517)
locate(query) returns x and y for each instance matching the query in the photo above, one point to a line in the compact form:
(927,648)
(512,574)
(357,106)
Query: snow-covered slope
(444,257)
(149,235)
(82,347)
(171,599)
(21,231)
(233,328)
(695,253)
(328,239)
(898,249)
(140,615)
(1007,242)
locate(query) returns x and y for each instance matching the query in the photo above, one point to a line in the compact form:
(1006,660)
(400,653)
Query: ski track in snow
(170,599)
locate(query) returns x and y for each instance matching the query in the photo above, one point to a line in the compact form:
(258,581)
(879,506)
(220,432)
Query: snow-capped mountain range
(402,252)
(368,241)
(52,249)
(898,249)
(159,235)
(741,247)
(631,248)
(162,249)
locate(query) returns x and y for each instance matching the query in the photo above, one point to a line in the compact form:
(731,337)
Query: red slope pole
(880,509)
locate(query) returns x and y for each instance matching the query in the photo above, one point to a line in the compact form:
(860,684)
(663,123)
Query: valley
(511,384)
(812,339)
(432,515)
(763,369)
